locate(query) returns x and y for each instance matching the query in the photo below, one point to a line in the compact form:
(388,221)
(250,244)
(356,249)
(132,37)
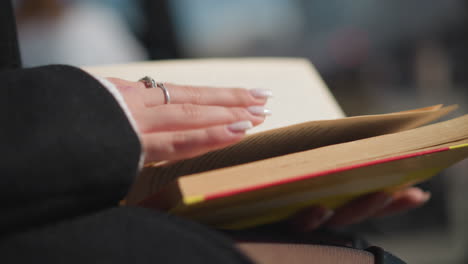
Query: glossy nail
(426,196)
(261,93)
(259,110)
(240,127)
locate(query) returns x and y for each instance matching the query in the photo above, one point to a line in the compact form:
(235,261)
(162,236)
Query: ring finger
(201,95)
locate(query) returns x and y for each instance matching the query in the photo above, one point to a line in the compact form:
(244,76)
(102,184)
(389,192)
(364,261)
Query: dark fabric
(9,50)
(69,155)
(120,235)
(68,148)
(159,36)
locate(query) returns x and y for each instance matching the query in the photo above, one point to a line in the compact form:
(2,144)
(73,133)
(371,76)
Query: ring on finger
(151,83)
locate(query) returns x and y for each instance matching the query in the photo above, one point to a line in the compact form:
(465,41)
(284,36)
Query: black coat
(68,155)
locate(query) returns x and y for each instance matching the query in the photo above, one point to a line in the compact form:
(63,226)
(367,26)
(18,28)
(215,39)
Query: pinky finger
(170,146)
(405,200)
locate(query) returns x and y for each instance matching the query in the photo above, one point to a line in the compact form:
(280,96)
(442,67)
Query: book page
(281,201)
(279,168)
(274,189)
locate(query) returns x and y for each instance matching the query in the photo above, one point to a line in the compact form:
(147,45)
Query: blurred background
(375,56)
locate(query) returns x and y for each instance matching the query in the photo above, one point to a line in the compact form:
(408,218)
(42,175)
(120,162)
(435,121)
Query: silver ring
(167,97)
(150,83)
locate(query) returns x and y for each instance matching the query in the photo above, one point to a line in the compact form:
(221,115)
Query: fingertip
(259,111)
(427,196)
(259,93)
(319,220)
(311,219)
(239,127)
(413,195)
(256,96)
(405,200)
(225,135)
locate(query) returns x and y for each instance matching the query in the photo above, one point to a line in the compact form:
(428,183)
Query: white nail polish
(259,110)
(241,126)
(261,93)
(427,196)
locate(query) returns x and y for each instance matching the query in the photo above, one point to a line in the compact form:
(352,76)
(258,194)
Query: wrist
(115,86)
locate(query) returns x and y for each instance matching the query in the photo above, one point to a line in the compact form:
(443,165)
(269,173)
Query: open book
(270,175)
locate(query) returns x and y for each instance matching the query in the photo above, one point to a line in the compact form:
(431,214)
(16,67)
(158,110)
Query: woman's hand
(372,205)
(202,119)
(198,119)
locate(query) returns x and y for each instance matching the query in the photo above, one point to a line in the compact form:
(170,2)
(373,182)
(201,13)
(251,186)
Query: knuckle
(182,143)
(179,139)
(242,96)
(190,111)
(239,113)
(157,150)
(143,123)
(193,94)
(215,137)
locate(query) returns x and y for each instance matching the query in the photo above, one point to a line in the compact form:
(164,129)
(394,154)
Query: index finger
(203,95)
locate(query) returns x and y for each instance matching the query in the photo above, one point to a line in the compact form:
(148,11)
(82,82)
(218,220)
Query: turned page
(448,133)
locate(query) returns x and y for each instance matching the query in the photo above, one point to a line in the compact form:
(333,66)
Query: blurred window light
(84,33)
(214,27)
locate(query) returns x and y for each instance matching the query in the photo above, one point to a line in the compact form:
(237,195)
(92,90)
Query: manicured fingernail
(261,93)
(259,110)
(427,196)
(239,127)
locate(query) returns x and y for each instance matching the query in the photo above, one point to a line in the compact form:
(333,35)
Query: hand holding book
(273,175)
(297,164)
(197,108)
(372,205)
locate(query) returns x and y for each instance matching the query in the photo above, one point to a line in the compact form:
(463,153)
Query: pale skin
(199,119)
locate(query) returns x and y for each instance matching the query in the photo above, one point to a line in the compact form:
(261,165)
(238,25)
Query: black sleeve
(67,147)
(9,49)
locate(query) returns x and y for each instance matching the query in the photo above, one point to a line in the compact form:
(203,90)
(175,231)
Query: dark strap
(383,257)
